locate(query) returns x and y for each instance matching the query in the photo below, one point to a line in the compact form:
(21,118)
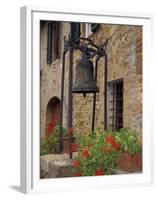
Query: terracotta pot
(129,163)
(66,144)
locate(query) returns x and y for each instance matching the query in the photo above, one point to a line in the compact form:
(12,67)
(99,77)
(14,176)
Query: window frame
(112,104)
(88,29)
(53,31)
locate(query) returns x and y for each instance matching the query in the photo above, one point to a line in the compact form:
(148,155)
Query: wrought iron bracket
(87,47)
(91,50)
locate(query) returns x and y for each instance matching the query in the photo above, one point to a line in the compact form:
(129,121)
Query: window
(52,41)
(91,28)
(74,31)
(115,104)
(76,28)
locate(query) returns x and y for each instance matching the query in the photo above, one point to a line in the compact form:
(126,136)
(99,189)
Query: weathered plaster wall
(50,77)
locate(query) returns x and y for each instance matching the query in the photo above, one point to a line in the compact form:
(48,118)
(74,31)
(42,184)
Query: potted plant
(67,145)
(100,153)
(130,159)
(97,154)
(65,138)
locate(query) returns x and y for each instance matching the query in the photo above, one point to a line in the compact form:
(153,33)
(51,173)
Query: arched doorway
(52,114)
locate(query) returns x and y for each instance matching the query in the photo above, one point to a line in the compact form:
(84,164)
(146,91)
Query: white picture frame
(30,101)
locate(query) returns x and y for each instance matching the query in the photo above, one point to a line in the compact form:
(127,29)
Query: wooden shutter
(55,40)
(74,31)
(49,43)
(94,27)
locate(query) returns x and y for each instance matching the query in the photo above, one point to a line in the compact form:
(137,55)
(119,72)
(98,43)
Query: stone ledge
(55,165)
(121,172)
(59,165)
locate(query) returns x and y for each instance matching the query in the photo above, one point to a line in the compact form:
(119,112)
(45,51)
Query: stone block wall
(124,61)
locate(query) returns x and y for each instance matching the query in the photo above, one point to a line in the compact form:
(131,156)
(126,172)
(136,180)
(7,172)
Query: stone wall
(50,78)
(124,61)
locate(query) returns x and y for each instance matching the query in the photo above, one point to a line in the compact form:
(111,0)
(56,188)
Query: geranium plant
(130,142)
(50,143)
(99,151)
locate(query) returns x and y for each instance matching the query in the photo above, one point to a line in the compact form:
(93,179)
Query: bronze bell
(84,82)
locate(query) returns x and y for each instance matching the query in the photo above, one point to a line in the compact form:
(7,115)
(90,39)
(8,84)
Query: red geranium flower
(73,147)
(116,146)
(109,139)
(70,130)
(78,174)
(85,153)
(50,126)
(76,163)
(98,172)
